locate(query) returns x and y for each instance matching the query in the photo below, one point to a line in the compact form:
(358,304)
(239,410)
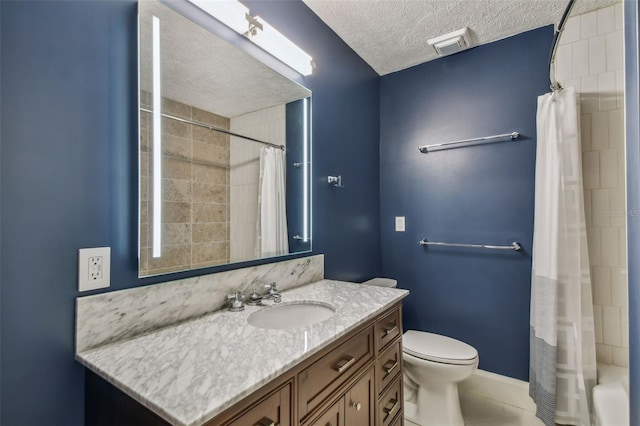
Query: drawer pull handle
(389,368)
(344,364)
(265,421)
(356,405)
(393,407)
(390,330)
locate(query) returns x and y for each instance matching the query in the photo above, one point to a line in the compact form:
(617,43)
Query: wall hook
(335,181)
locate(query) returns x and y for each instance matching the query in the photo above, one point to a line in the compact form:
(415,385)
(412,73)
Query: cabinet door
(360,402)
(334,416)
(274,410)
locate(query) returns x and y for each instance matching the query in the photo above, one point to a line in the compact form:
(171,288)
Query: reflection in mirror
(224,150)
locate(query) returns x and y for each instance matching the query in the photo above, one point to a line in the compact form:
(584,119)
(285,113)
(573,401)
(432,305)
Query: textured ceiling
(201,70)
(391,35)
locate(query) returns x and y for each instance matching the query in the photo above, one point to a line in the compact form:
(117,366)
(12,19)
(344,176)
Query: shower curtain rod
(215,129)
(556,38)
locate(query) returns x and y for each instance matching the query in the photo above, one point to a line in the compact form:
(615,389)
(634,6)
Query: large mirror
(224,150)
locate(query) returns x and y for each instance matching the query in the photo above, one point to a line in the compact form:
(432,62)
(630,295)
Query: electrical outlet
(94,268)
(400,224)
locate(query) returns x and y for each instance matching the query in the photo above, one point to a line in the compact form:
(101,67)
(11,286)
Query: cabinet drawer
(399,420)
(273,410)
(323,377)
(388,328)
(334,416)
(388,365)
(390,403)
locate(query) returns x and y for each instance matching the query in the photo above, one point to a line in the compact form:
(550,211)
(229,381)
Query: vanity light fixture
(236,16)
(157,143)
(232,13)
(271,40)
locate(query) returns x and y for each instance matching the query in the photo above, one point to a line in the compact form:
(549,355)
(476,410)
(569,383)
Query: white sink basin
(296,314)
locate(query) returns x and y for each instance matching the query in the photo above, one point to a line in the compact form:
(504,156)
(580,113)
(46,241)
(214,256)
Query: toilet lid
(434,347)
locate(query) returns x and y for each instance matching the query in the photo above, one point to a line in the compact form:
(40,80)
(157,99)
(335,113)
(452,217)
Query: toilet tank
(382,282)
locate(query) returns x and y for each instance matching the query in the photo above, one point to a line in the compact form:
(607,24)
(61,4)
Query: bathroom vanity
(220,370)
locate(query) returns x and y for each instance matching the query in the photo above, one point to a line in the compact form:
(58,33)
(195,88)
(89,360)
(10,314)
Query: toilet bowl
(433,367)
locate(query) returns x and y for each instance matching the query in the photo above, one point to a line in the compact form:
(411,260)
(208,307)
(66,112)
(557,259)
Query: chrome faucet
(235,301)
(272,293)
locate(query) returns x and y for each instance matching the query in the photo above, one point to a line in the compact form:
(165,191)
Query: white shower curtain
(273,239)
(562,353)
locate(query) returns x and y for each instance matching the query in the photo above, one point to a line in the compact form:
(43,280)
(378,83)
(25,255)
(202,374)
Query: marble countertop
(190,372)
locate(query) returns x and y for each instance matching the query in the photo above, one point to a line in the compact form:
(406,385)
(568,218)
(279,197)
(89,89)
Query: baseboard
(502,389)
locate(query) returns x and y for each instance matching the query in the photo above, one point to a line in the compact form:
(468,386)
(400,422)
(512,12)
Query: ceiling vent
(451,43)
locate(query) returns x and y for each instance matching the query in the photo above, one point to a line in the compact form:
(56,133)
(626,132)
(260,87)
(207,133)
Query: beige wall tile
(178,109)
(615,51)
(606,21)
(176,128)
(176,234)
(175,146)
(599,131)
(588,25)
(608,98)
(597,55)
(618,214)
(600,207)
(610,246)
(585,132)
(571,31)
(144,188)
(210,232)
(171,256)
(603,353)
(579,58)
(207,252)
(176,212)
(210,193)
(609,168)
(176,190)
(205,135)
(209,174)
(591,170)
(619,288)
(611,326)
(588,212)
(209,213)
(620,356)
(597,322)
(593,240)
(173,168)
(589,96)
(210,154)
(601,281)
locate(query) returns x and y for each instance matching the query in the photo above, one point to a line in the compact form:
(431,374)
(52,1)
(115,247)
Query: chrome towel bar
(513,135)
(514,246)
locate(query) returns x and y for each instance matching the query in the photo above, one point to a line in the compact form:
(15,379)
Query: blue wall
(632,103)
(69,176)
(478,194)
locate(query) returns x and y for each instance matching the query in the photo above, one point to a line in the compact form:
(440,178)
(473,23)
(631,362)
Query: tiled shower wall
(268,125)
(590,58)
(195,190)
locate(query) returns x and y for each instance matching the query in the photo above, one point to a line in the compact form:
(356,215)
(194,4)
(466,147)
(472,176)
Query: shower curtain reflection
(272,236)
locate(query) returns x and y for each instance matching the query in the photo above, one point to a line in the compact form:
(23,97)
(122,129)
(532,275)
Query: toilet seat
(438,348)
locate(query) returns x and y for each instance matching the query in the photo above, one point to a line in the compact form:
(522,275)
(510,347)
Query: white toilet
(433,367)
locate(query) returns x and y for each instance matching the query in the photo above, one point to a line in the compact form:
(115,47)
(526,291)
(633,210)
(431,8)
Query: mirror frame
(199,17)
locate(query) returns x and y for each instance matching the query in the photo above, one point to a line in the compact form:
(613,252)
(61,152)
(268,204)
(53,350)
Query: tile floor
(480,411)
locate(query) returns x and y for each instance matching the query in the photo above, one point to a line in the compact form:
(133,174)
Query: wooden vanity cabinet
(355,381)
